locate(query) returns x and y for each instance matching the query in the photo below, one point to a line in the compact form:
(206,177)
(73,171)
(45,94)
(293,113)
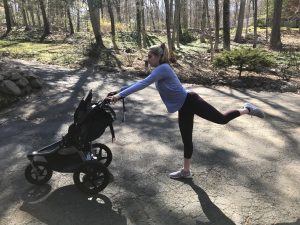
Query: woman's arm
(156,75)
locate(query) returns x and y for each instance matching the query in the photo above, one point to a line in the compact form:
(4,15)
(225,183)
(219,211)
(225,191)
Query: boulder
(9,87)
(288,87)
(36,83)
(22,82)
(14,76)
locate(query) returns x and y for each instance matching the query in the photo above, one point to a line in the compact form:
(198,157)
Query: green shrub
(186,37)
(245,59)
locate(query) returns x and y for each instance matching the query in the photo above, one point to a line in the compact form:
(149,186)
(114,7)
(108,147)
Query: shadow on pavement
(212,212)
(67,205)
(292,223)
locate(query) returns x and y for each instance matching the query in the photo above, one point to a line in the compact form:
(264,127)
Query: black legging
(194,104)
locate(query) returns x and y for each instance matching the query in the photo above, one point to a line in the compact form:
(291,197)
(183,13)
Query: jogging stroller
(76,153)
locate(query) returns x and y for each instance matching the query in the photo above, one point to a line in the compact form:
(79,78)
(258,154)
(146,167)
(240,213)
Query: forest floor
(193,60)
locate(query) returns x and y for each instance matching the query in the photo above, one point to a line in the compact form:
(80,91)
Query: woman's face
(153,60)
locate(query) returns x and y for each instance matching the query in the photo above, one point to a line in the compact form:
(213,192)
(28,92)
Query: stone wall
(16,82)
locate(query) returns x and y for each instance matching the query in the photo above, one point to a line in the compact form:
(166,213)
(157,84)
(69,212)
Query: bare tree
(239,30)
(167,9)
(209,30)
(176,24)
(69,17)
(184,13)
(7,18)
(138,22)
(267,20)
(112,24)
(24,15)
(255,22)
(45,20)
(203,24)
(95,21)
(144,36)
(248,16)
(217,25)
(226,24)
(117,5)
(275,42)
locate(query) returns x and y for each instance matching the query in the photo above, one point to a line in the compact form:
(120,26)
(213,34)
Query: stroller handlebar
(108,101)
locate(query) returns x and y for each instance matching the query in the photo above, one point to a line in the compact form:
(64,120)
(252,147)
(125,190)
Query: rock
(9,87)
(30,76)
(22,82)
(222,73)
(1,78)
(237,83)
(222,82)
(36,83)
(26,90)
(14,76)
(288,87)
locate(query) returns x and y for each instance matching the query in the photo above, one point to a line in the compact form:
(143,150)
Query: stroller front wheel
(39,173)
(91,177)
(102,153)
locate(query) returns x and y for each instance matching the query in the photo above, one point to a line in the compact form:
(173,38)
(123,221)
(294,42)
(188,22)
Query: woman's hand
(112,93)
(113,98)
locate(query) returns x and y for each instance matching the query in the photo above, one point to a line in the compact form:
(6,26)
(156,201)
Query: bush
(186,37)
(245,59)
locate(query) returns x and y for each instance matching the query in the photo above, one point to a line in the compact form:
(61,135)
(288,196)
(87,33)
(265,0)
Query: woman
(177,98)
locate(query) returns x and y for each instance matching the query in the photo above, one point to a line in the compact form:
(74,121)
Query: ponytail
(161,51)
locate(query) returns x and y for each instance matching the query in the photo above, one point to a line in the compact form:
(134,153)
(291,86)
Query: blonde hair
(161,51)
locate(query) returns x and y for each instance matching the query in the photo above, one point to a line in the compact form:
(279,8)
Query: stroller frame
(86,160)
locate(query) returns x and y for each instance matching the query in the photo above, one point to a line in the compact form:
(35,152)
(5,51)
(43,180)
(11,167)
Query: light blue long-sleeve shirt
(171,91)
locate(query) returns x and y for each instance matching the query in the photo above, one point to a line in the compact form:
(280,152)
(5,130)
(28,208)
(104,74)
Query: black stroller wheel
(102,153)
(91,177)
(38,174)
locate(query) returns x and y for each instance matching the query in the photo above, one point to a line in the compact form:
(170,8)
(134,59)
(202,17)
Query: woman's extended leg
(208,112)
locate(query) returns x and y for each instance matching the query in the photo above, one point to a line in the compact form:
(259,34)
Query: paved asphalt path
(246,172)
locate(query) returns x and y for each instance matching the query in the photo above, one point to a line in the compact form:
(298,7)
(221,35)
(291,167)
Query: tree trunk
(152,15)
(209,31)
(45,20)
(118,9)
(101,7)
(78,20)
(31,12)
(167,8)
(239,30)
(226,24)
(25,21)
(70,20)
(255,22)
(248,16)
(143,24)
(171,13)
(174,25)
(203,24)
(112,22)
(267,21)
(12,15)
(175,35)
(236,6)
(7,18)
(38,17)
(95,21)
(138,23)
(275,42)
(217,25)
(126,12)
(184,14)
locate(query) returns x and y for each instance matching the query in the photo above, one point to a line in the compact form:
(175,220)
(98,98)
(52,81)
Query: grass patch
(49,53)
